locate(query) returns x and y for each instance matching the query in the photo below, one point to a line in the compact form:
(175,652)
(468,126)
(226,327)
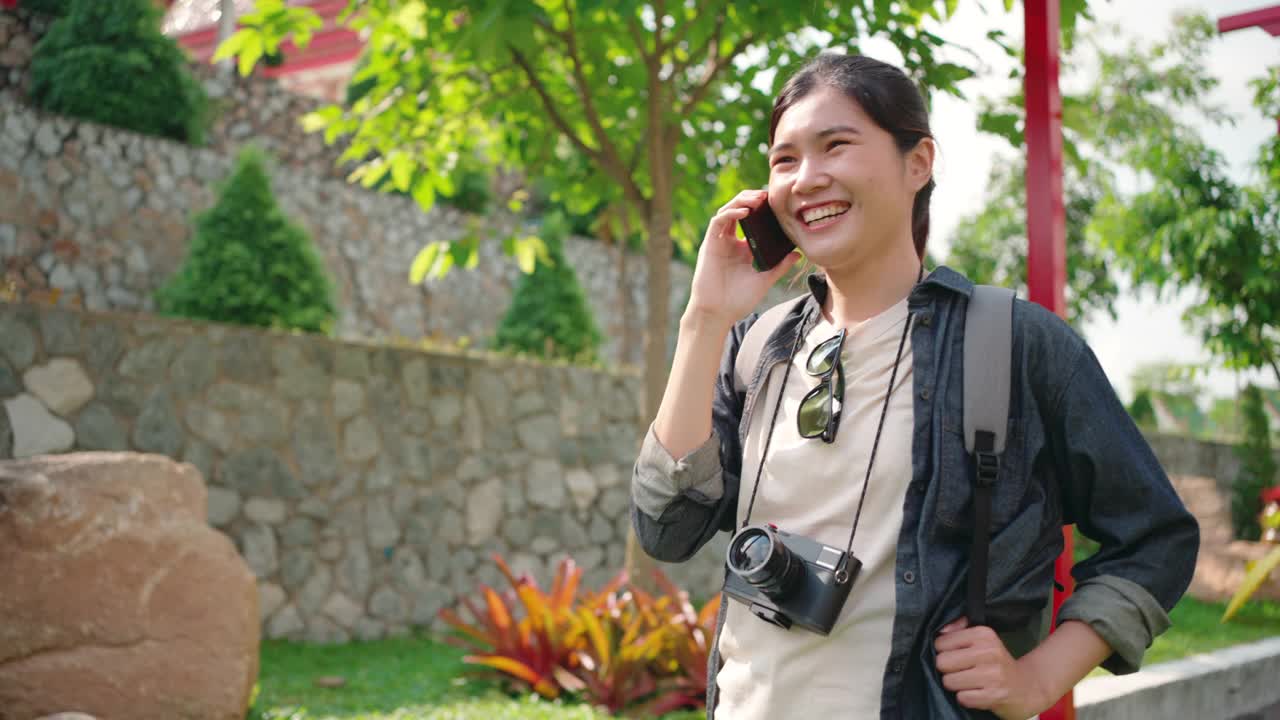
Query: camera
(788,579)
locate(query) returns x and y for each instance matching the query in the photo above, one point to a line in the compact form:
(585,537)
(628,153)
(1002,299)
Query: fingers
(731,212)
(957,624)
(783,266)
(954,661)
(980,636)
(750,199)
(971,679)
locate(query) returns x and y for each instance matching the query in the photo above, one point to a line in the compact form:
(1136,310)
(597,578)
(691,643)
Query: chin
(827,252)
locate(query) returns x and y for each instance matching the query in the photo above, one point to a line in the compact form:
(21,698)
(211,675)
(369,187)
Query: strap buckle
(988,467)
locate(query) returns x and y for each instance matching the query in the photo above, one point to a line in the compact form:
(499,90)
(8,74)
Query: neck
(871,286)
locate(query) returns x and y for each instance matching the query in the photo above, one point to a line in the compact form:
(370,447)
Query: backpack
(988,351)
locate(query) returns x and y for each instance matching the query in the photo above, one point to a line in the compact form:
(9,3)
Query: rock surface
(120,601)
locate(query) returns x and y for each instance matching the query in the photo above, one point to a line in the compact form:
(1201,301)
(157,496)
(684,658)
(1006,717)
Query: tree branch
(714,70)
(609,156)
(549,105)
(637,36)
(681,35)
(710,44)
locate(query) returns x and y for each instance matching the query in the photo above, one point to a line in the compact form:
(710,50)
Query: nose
(810,176)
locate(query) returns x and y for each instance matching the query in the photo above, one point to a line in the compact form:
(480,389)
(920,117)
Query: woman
(851,160)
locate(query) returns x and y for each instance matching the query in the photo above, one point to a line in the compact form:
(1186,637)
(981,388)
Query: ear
(919,162)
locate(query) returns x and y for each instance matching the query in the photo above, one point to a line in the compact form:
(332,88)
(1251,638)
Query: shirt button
(909,576)
(924,394)
(896,667)
(926,319)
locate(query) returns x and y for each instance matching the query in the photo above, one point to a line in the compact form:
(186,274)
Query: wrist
(700,321)
(1038,683)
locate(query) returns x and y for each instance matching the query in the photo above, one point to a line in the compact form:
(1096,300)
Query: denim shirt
(1072,455)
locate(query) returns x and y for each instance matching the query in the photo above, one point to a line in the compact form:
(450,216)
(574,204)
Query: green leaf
(526,253)
(401,171)
(424,261)
(230,46)
(320,119)
(1253,580)
(423,192)
(250,52)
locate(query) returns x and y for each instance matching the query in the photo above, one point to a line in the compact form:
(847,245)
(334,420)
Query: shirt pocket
(958,475)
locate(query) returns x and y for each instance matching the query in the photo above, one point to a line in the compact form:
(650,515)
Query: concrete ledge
(1222,685)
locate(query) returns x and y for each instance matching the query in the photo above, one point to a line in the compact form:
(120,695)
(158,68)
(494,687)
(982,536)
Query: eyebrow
(821,134)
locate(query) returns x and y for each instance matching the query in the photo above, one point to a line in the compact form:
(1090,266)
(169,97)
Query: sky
(1149,329)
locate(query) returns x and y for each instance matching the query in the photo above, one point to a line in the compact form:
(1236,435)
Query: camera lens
(759,556)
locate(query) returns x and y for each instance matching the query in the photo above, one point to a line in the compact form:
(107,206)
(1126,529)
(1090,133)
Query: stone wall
(365,485)
(242,108)
(103,217)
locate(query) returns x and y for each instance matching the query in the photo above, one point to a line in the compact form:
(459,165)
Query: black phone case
(768,243)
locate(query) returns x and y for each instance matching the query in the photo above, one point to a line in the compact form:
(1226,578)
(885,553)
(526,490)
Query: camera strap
(875,445)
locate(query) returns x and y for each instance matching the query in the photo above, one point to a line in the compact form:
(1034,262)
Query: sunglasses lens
(815,411)
(823,356)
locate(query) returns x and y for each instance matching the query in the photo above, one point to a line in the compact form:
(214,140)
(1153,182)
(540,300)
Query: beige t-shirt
(812,488)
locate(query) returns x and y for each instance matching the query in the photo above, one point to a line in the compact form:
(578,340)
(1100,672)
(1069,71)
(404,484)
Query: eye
(836,143)
(780,159)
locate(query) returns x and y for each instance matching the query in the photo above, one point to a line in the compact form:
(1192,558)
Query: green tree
(249,264)
(1175,387)
(1142,410)
(991,245)
(549,315)
(1135,90)
(109,63)
(1257,466)
(1224,414)
(1194,227)
(665,104)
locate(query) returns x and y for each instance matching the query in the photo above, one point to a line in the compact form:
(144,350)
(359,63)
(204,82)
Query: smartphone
(768,243)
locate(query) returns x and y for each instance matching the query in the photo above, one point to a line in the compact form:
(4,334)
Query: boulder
(118,599)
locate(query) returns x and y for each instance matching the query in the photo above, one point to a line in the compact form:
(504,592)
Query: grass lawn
(419,679)
(394,679)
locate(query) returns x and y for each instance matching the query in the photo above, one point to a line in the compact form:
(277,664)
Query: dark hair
(882,91)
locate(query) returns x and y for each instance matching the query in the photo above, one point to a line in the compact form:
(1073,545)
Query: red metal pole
(1046,216)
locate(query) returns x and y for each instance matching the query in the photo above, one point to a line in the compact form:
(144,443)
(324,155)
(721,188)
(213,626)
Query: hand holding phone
(769,244)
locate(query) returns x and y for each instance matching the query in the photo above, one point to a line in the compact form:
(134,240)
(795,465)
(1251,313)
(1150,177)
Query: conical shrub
(108,62)
(549,315)
(248,264)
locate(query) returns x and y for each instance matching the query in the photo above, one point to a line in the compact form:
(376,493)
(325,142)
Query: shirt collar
(941,277)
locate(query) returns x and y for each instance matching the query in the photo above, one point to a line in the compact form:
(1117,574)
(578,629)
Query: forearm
(683,422)
(1069,654)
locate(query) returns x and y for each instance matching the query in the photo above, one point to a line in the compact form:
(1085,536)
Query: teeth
(826,211)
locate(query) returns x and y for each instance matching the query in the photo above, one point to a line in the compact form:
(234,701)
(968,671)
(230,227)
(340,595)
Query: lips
(818,213)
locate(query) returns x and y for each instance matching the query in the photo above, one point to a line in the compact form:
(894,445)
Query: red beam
(1267,18)
(1046,217)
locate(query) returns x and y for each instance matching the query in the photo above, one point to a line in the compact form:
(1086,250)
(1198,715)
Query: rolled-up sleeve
(1123,613)
(659,478)
(1116,492)
(678,504)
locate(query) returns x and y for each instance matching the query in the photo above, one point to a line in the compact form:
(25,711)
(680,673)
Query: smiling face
(838,183)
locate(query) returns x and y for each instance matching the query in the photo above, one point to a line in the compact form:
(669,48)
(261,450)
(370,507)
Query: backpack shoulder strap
(744,365)
(988,373)
(988,349)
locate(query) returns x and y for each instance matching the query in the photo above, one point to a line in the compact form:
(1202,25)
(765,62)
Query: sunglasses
(819,414)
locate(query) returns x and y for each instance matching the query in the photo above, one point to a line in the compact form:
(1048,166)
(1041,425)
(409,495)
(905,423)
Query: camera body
(787,579)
